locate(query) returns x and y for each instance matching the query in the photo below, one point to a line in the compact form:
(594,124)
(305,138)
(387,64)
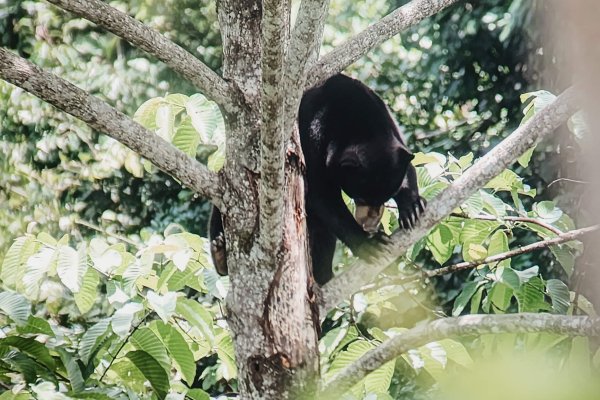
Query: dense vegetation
(107,287)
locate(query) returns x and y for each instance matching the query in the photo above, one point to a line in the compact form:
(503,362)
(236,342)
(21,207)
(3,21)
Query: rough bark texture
(272,310)
(462,326)
(493,163)
(115,124)
(151,41)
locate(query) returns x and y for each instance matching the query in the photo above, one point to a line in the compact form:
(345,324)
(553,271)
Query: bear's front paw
(408,215)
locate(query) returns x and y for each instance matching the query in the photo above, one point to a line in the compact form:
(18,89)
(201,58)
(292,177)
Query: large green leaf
(16,306)
(123,318)
(72,266)
(145,339)
(88,293)
(186,137)
(18,252)
(559,294)
(197,316)
(73,370)
(463,298)
(441,243)
(38,266)
(34,349)
(179,350)
(92,340)
(152,370)
(195,394)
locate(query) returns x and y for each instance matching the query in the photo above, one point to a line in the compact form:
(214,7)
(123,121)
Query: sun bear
(351,143)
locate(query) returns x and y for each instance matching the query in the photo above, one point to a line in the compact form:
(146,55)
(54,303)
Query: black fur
(350,142)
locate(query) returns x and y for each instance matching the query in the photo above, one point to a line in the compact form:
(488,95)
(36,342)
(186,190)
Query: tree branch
(275,37)
(154,43)
(508,218)
(492,164)
(304,50)
(354,48)
(562,238)
(99,115)
(451,327)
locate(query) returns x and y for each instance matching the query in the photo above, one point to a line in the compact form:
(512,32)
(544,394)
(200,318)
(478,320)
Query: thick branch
(462,326)
(387,27)
(153,42)
(492,164)
(562,238)
(275,36)
(99,115)
(304,50)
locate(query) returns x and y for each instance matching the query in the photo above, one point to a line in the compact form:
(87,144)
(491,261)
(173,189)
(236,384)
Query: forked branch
(99,115)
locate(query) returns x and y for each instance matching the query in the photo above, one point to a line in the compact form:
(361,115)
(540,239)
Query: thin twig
(507,218)
(125,341)
(107,233)
(562,238)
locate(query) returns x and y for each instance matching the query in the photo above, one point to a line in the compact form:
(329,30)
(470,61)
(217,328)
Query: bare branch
(275,37)
(542,244)
(354,48)
(450,327)
(153,42)
(492,164)
(99,115)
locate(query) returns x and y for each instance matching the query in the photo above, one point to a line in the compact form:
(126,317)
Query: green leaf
(18,252)
(547,211)
(377,381)
(123,318)
(36,326)
(476,252)
(500,297)
(34,349)
(531,296)
(526,157)
(152,370)
(87,295)
(146,114)
(463,298)
(16,306)
(564,256)
(559,294)
(186,137)
(227,356)
(92,340)
(197,316)
(38,266)
(72,266)
(510,277)
(441,243)
(73,370)
(499,245)
(195,394)
(179,350)
(164,305)
(145,339)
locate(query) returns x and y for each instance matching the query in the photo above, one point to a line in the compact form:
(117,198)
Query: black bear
(351,143)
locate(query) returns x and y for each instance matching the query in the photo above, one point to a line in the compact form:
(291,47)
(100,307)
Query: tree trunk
(272,310)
